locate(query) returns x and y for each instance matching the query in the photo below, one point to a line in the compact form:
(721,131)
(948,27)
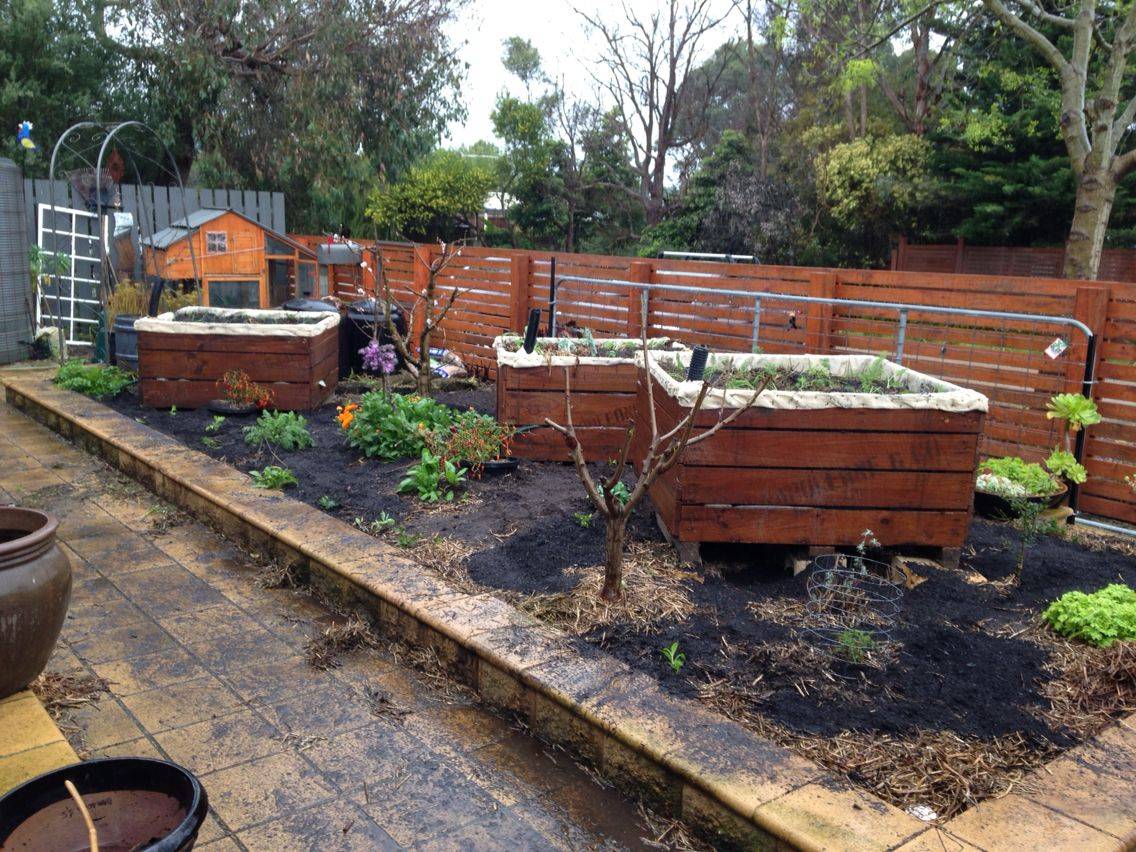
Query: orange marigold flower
(346,414)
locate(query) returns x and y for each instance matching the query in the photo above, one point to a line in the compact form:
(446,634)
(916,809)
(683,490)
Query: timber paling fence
(1004,358)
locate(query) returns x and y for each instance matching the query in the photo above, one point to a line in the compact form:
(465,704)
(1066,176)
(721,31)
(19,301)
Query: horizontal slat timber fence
(1117,264)
(1005,359)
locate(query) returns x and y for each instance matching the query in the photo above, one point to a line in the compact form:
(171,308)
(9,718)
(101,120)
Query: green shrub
(284,429)
(1104,617)
(1030,476)
(94,380)
(395,427)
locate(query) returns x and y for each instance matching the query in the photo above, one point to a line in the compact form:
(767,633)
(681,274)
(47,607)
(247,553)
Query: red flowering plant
(239,389)
(472,440)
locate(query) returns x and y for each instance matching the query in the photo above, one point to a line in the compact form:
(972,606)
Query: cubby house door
(233,292)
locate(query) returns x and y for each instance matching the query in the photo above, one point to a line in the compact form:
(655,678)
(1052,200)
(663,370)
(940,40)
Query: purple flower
(379,358)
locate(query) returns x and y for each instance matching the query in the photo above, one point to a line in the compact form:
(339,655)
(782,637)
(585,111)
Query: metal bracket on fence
(901,335)
(754,347)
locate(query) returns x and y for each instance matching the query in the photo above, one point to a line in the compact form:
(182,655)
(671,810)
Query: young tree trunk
(1096,192)
(615,534)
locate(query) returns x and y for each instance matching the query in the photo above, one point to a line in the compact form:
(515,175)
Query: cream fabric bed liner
(168,323)
(520,358)
(931,393)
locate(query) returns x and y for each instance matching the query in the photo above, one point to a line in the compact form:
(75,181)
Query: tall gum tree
(1098,106)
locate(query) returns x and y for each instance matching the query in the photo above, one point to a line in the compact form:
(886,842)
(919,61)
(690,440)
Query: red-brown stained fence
(963,258)
(1003,359)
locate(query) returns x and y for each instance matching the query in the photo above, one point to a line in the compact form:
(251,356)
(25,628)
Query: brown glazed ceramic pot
(35,589)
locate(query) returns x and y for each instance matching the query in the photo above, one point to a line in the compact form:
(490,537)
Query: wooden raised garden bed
(530,388)
(818,467)
(182,355)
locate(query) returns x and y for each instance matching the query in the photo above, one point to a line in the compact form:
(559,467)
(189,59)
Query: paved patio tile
(262,790)
(206,668)
(181,704)
(335,826)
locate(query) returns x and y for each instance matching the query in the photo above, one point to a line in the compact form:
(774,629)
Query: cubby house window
(216,242)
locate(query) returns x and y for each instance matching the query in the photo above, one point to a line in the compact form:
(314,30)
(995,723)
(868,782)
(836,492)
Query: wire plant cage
(852,607)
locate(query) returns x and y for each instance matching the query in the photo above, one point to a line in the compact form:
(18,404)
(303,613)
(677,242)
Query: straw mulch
(655,590)
(1091,685)
(323,651)
(59,692)
(936,769)
(446,557)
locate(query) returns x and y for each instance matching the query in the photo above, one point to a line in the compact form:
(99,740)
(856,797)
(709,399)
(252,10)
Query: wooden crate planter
(181,355)
(530,388)
(817,469)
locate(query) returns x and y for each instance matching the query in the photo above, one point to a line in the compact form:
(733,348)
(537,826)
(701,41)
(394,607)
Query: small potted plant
(478,443)
(1004,481)
(240,395)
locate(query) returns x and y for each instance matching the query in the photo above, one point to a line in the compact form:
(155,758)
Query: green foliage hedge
(1100,618)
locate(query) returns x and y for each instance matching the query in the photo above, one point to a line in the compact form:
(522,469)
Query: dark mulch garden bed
(963,705)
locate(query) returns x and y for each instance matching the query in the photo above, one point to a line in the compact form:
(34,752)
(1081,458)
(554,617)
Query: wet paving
(207,668)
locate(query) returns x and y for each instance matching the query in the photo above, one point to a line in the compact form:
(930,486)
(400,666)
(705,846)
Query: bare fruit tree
(663,451)
(424,311)
(647,62)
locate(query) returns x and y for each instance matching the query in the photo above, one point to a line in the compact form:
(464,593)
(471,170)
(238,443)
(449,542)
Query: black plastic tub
(495,467)
(125,346)
(136,803)
(998,508)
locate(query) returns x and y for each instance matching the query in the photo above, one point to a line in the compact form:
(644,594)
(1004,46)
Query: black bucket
(135,803)
(361,319)
(125,354)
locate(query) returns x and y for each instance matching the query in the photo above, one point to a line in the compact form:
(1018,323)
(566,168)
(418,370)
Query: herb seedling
(273,477)
(621,493)
(173,411)
(673,656)
(215,425)
(583,519)
(211,443)
(406,540)
(328,504)
(855,645)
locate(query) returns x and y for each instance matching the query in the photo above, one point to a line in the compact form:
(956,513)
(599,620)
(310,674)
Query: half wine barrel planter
(181,355)
(818,468)
(530,388)
(35,590)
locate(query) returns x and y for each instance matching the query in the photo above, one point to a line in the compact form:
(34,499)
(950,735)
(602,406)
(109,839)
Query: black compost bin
(361,318)
(318,307)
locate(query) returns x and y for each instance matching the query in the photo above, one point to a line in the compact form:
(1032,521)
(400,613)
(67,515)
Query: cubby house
(242,264)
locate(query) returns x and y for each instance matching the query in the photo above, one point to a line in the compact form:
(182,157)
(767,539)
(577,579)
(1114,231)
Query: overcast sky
(554,29)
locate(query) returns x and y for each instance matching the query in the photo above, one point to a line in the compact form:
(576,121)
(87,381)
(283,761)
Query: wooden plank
(761,448)
(262,367)
(188,393)
(864,489)
(588,409)
(218,343)
(613,378)
(815,526)
(599,444)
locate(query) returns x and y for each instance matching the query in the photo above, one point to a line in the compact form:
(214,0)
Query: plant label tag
(1054,349)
